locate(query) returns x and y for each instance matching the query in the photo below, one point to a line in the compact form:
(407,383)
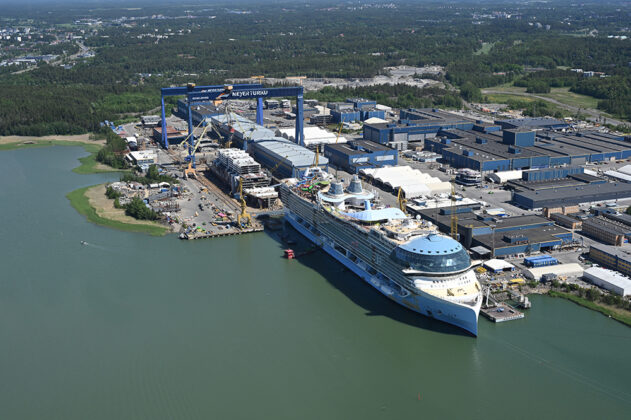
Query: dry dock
(501,313)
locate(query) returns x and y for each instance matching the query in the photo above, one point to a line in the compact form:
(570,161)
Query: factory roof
(612,277)
(578,194)
(284,149)
(607,225)
(622,252)
(532,122)
(618,175)
(357,147)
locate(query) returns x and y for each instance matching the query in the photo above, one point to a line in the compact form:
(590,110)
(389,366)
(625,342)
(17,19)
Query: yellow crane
(454,215)
(339,131)
(244,214)
(402,201)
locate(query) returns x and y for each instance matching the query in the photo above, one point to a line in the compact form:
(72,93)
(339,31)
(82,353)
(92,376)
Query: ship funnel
(355,187)
(336,189)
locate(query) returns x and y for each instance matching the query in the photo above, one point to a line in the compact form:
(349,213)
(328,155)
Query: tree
(470,92)
(152,173)
(138,210)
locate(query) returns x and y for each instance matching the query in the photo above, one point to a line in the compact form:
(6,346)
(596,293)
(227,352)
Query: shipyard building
(522,148)
(493,236)
(414,126)
(283,157)
(360,154)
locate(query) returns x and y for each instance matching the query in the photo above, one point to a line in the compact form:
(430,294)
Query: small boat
(84,243)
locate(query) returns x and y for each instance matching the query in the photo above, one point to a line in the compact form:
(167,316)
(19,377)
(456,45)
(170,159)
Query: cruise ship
(404,258)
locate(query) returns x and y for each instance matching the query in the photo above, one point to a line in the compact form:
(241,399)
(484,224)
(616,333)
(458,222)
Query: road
(593,114)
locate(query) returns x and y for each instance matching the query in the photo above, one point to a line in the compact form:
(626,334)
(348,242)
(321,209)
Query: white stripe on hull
(461,316)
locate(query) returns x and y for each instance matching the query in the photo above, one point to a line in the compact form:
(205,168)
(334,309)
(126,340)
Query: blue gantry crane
(216,94)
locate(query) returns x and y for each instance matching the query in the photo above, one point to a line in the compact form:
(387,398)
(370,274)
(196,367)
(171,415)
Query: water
(132,326)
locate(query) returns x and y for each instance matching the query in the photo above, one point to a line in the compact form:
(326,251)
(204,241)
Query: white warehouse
(609,279)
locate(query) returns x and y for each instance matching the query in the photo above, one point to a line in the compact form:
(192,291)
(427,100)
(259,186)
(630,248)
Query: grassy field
(81,203)
(485,49)
(562,95)
(615,313)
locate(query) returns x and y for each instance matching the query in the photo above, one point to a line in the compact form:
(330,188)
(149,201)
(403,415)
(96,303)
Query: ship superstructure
(404,258)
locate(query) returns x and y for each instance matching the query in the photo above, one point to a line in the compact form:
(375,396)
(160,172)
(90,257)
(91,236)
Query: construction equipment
(454,215)
(190,170)
(339,132)
(227,91)
(402,201)
(244,214)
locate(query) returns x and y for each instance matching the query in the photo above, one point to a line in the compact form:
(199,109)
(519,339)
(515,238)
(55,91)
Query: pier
(501,312)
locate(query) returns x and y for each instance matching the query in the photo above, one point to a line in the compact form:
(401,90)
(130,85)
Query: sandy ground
(79,138)
(105,207)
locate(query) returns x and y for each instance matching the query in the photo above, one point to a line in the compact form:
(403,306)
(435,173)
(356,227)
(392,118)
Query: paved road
(593,114)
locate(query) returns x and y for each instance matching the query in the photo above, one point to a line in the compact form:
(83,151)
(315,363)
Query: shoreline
(81,201)
(88,164)
(594,306)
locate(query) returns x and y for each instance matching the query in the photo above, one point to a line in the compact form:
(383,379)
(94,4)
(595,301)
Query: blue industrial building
(360,154)
(513,149)
(533,123)
(500,236)
(345,116)
(569,195)
(415,125)
(360,103)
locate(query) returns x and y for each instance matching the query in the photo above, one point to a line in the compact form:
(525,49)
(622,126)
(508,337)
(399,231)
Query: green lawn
(80,202)
(617,314)
(485,49)
(562,95)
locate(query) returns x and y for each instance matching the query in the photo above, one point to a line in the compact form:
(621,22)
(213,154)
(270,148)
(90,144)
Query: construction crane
(227,91)
(454,215)
(190,170)
(339,132)
(402,201)
(244,214)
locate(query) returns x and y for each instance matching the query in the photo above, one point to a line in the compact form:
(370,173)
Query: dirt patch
(105,207)
(78,138)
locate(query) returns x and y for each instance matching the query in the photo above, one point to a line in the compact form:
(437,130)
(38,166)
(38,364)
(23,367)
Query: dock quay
(219,234)
(501,312)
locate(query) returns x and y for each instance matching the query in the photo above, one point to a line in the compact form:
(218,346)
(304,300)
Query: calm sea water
(137,327)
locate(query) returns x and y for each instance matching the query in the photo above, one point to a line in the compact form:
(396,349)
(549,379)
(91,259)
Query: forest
(136,54)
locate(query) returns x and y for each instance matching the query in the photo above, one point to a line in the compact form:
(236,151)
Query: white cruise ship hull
(462,316)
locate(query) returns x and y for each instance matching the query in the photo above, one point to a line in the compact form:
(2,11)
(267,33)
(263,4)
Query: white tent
(502,177)
(498,266)
(413,182)
(375,120)
(571,269)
